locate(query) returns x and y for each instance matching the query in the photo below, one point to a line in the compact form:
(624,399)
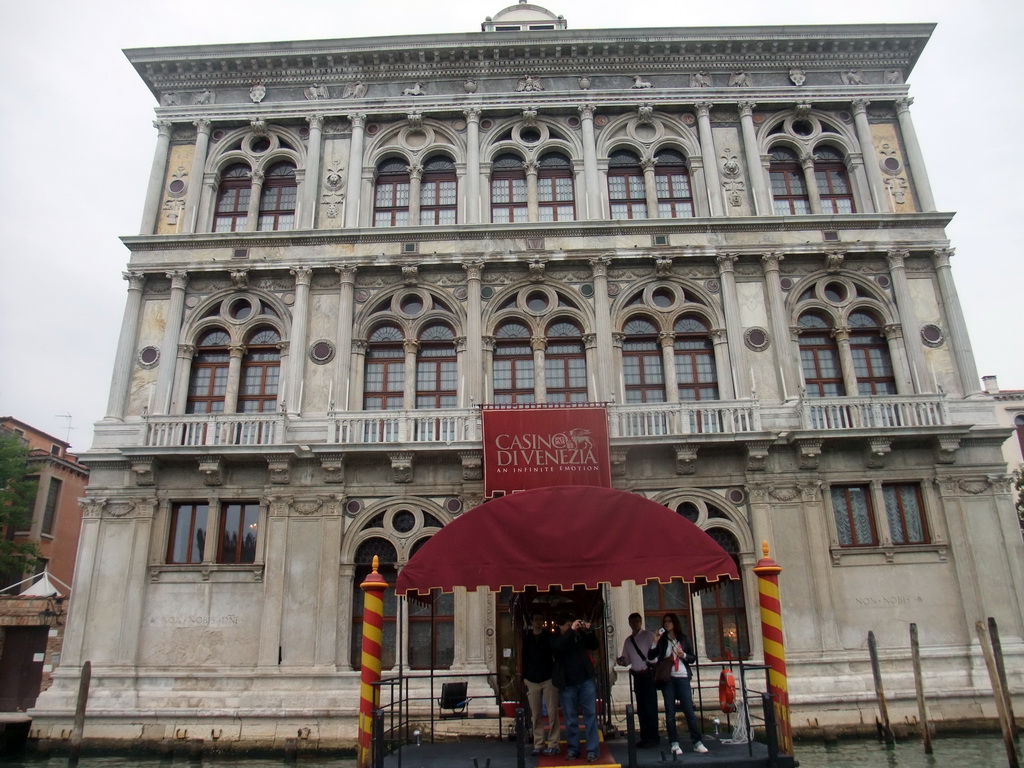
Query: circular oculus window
(756,339)
(321,352)
(149,357)
(932,335)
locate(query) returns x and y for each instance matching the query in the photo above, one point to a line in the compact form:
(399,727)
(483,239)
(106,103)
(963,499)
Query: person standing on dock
(574,677)
(634,655)
(541,693)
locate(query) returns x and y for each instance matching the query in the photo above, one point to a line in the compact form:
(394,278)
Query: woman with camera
(672,644)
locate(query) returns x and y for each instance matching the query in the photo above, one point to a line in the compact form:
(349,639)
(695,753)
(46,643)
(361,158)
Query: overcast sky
(76,143)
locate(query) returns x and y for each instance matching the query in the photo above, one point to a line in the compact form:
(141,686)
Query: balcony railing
(688,418)
(428,426)
(215,429)
(874,412)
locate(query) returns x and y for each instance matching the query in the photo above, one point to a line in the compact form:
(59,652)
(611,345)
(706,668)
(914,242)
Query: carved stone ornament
(809,453)
(853,77)
(893,76)
(414,90)
(317,92)
(530,118)
(119,507)
(947,448)
(734,190)
(469,85)
(354,90)
(307,507)
(401,467)
(879,449)
(257,92)
(973,486)
(757,455)
(529,83)
(663,266)
(212,470)
(170,100)
(834,261)
(618,458)
(472,465)
(639,82)
(410,274)
(797,76)
(730,164)
(279,469)
(536,268)
(785,494)
(739,79)
(686,458)
(333,466)
(92,506)
(415,120)
(700,80)
(585,83)
(143,470)
(645,114)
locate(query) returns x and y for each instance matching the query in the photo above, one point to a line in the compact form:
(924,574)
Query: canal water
(975,751)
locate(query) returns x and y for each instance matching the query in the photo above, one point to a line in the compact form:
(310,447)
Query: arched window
(508,190)
(436,368)
(261,370)
(384,377)
(438,192)
(696,376)
(723,609)
(387,567)
(391,195)
(672,185)
(565,364)
(642,367)
(626,191)
(513,365)
(819,357)
(208,382)
(431,628)
(833,181)
(871,362)
(232,214)
(789,190)
(277,203)
(555,196)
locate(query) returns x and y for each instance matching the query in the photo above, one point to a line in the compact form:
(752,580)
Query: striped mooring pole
(768,571)
(373,642)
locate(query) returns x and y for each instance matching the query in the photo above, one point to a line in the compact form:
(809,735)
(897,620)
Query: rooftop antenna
(68,417)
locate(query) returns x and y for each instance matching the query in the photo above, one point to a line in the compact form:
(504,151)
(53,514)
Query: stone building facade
(347,246)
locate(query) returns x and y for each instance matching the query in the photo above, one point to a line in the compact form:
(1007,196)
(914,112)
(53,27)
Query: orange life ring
(727,691)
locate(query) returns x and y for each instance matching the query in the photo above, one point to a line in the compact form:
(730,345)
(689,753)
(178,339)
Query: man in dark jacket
(538,664)
(574,677)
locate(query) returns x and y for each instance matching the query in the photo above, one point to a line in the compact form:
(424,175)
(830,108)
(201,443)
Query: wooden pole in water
(993,675)
(883,708)
(922,707)
(83,697)
(997,651)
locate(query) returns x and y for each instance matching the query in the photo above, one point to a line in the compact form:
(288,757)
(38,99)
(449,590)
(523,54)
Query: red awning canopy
(563,536)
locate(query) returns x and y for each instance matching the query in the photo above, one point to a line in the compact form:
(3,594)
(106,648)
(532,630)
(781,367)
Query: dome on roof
(523,17)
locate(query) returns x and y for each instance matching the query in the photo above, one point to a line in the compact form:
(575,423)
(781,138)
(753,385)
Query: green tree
(17,496)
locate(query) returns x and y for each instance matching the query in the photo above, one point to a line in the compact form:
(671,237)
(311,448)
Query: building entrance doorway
(21,667)
(514,612)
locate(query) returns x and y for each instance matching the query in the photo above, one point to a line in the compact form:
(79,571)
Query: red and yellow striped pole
(768,571)
(373,636)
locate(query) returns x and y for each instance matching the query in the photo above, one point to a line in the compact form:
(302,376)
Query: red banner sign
(540,446)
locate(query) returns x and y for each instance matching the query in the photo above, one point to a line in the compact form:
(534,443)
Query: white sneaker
(676,749)
(699,748)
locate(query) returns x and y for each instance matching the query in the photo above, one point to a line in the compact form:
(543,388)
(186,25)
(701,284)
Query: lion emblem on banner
(575,439)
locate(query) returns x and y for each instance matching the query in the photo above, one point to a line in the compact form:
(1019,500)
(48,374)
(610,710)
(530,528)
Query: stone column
(668,362)
(908,318)
(472,165)
(169,345)
(117,400)
(590,355)
(893,333)
(539,344)
(813,196)
(842,337)
(707,151)
(786,354)
(411,347)
(195,188)
(918,171)
(958,337)
(271,629)
(157,175)
(723,366)
(650,186)
(355,170)
(698,184)
(733,328)
(532,208)
(472,371)
(858,179)
(415,180)
(182,375)
(252,221)
(755,171)
(311,183)
(590,172)
(297,342)
(236,352)
(603,329)
(358,371)
(867,147)
(342,385)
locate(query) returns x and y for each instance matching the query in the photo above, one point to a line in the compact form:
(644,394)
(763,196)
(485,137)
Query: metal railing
(874,412)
